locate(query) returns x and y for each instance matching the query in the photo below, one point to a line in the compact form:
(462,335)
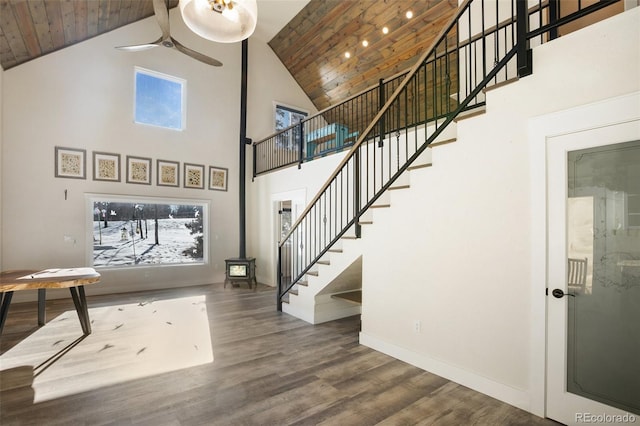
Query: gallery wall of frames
(72,163)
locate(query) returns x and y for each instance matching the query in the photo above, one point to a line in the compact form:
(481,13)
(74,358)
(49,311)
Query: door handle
(559,294)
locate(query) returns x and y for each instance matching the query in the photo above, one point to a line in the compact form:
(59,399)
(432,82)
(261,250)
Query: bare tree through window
(129,233)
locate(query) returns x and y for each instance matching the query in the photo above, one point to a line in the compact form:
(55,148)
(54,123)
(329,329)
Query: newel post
(525,57)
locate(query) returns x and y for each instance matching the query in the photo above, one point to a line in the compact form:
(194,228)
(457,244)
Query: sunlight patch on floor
(128,342)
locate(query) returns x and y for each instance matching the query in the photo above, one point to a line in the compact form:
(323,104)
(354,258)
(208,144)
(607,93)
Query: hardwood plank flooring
(268,368)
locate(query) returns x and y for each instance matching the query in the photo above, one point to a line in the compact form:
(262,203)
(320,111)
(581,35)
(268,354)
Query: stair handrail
(480,81)
(316,122)
(379,86)
(330,107)
(377,117)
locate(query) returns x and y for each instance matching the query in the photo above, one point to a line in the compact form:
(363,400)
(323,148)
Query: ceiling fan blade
(139,47)
(161,11)
(195,55)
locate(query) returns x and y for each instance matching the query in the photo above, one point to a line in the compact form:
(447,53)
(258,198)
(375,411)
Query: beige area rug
(127,342)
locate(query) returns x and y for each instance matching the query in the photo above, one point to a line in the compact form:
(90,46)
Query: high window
(159,99)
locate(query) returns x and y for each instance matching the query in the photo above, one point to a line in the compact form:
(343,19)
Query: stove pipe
(243,150)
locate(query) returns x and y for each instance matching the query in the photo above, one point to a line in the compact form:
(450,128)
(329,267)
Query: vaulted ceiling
(312,45)
(29,29)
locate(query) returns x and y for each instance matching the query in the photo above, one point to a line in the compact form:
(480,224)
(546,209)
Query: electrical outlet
(417,326)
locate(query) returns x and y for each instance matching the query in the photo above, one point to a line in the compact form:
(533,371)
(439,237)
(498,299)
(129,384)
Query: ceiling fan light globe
(231,14)
(236,23)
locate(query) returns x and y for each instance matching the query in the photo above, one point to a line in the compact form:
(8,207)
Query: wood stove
(240,269)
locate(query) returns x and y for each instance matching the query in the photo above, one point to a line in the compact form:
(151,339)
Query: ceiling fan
(161,11)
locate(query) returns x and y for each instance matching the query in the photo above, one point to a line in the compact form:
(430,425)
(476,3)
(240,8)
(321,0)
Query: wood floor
(268,368)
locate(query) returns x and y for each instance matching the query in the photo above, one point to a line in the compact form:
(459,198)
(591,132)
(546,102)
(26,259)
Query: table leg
(42,298)
(4,308)
(80,301)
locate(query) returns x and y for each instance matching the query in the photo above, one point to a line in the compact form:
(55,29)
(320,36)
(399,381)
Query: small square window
(159,99)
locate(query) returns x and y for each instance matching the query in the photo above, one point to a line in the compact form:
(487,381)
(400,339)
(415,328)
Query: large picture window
(130,232)
(159,99)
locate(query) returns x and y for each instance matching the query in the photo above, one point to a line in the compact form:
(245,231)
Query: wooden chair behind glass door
(577,277)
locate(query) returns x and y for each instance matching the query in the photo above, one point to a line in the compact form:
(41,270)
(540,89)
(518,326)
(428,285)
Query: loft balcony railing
(484,44)
(331,130)
(336,128)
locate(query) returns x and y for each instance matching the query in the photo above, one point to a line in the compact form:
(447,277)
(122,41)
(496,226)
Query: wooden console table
(72,278)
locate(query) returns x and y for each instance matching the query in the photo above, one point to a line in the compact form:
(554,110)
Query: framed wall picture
(106,166)
(138,170)
(193,176)
(218,178)
(70,163)
(168,173)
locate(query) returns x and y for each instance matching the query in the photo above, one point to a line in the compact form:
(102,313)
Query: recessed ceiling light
(365,43)
(385,30)
(347,55)
(409,14)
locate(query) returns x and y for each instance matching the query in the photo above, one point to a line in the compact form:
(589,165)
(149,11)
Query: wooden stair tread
(365,222)
(350,296)
(443,142)
(469,114)
(380,206)
(419,166)
(323,262)
(501,84)
(395,188)
(334,250)
(314,273)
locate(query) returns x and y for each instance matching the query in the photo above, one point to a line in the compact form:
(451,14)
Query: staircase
(479,48)
(330,291)
(333,289)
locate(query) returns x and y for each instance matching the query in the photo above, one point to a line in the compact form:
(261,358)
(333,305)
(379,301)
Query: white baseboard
(336,313)
(298,312)
(512,396)
(321,312)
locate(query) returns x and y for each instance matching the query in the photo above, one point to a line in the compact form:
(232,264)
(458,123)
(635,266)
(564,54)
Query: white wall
(264,89)
(265,191)
(455,251)
(82,97)
(465,246)
(270,81)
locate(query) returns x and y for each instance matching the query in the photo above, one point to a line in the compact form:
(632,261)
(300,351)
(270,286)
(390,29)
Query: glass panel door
(603,309)
(593,267)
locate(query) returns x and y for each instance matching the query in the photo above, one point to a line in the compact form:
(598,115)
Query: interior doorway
(284,225)
(287,206)
(592,324)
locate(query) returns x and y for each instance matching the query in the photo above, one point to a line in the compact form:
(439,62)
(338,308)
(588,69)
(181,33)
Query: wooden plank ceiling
(32,28)
(313,45)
